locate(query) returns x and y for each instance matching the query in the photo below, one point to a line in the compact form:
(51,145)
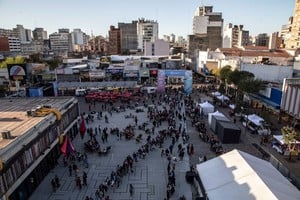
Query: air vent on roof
(47,106)
(6,135)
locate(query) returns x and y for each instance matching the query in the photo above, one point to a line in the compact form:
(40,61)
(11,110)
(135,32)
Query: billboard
(161,81)
(17,72)
(188,82)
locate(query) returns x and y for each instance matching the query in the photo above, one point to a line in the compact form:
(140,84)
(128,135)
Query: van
(80,92)
(149,90)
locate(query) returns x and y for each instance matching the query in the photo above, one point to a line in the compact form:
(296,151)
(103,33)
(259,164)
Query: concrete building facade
(207,30)
(114,37)
(291,97)
(157,48)
(39,34)
(59,43)
(294,40)
(129,41)
(147,31)
(234,35)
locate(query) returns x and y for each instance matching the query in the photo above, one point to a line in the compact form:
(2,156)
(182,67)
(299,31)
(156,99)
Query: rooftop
(22,127)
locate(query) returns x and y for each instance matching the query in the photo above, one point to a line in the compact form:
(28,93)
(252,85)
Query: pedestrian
(131,190)
(70,170)
(78,182)
(56,179)
(84,178)
(53,184)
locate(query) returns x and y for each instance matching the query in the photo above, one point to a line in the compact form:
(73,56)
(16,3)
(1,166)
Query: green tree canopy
(224,72)
(12,60)
(236,77)
(250,85)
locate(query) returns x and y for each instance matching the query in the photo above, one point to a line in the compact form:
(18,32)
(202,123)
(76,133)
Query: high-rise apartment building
(23,34)
(78,40)
(128,32)
(286,32)
(262,39)
(8,33)
(147,31)
(294,40)
(234,35)
(114,36)
(11,44)
(39,34)
(207,30)
(59,42)
(275,41)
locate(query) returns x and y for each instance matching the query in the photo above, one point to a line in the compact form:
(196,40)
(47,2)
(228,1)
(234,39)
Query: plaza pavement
(149,177)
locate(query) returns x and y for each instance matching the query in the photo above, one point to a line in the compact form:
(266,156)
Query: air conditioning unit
(47,106)
(6,135)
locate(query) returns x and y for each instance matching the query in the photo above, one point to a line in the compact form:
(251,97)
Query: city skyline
(173,17)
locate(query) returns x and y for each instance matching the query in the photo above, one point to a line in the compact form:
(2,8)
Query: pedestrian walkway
(149,177)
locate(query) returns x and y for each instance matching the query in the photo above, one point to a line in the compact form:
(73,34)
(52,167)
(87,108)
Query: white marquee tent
(257,120)
(214,113)
(216,93)
(238,175)
(206,108)
(222,98)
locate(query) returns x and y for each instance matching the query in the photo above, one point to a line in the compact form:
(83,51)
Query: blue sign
(175,72)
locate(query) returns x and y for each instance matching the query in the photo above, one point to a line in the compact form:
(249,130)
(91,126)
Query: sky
(173,16)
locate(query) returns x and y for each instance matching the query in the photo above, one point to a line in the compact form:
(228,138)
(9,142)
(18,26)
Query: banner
(188,82)
(161,81)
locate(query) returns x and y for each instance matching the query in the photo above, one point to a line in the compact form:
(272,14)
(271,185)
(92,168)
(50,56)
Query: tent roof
(216,93)
(279,138)
(257,120)
(222,97)
(238,175)
(206,105)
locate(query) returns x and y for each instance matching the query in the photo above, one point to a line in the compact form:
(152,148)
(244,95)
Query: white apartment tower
(204,18)
(23,34)
(59,42)
(147,31)
(235,36)
(78,39)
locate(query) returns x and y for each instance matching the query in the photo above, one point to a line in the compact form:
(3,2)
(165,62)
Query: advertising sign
(188,82)
(17,72)
(161,81)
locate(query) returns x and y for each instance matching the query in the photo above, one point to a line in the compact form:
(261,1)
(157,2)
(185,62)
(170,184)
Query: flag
(67,148)
(82,127)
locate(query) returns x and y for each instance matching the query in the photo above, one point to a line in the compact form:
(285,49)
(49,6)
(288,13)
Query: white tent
(206,108)
(279,138)
(216,93)
(238,175)
(214,113)
(222,98)
(257,120)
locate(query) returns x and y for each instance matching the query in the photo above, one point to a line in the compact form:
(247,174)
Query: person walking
(84,178)
(53,184)
(131,190)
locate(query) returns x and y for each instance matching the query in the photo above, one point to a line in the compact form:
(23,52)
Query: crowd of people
(168,109)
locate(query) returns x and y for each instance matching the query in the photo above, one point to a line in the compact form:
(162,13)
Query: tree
(250,85)
(224,72)
(289,137)
(12,60)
